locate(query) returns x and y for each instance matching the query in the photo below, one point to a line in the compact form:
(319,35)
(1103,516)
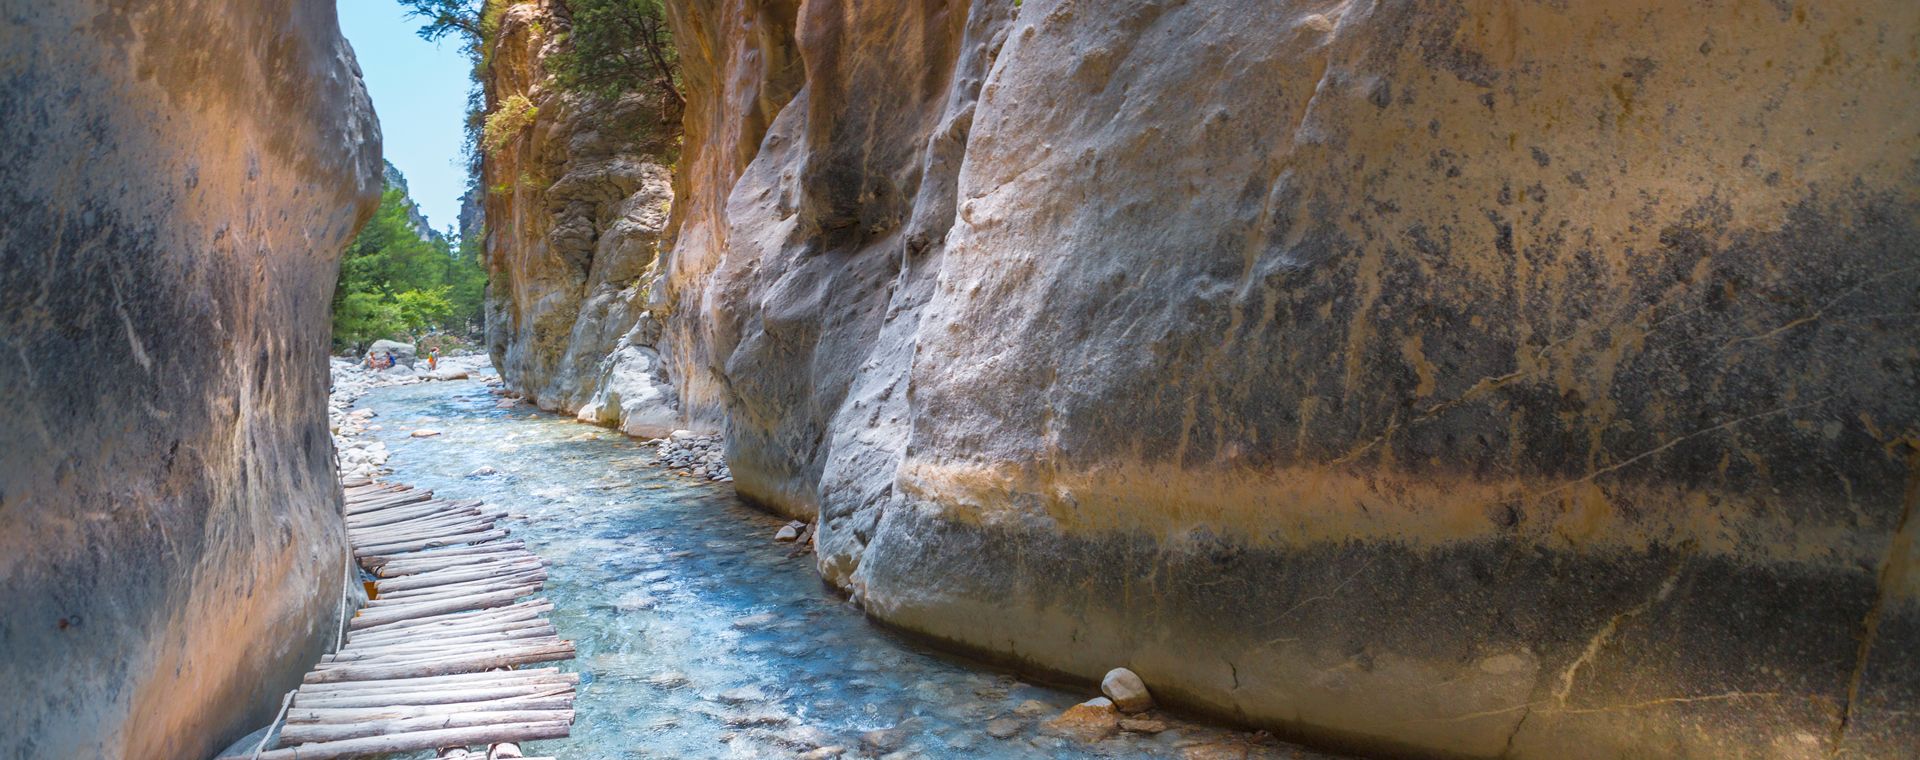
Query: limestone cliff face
(576,203)
(1461,378)
(178,181)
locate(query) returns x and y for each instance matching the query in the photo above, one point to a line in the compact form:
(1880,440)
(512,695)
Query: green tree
(619,46)
(396,282)
(460,18)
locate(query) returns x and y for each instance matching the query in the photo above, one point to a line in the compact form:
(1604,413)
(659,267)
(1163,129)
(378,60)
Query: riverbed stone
(1087,722)
(889,739)
(1143,725)
(1003,728)
(402,353)
(1127,691)
(1227,750)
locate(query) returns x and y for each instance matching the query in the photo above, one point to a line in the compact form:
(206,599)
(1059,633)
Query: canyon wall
(178,181)
(576,201)
(1471,378)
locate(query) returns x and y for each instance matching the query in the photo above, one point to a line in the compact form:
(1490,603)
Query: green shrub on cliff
(617,47)
(515,113)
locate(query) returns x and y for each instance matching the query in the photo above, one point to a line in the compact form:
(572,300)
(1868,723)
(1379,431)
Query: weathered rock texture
(576,205)
(177,183)
(1461,378)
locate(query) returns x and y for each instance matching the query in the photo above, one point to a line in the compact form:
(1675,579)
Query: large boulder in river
(1465,377)
(178,179)
(402,353)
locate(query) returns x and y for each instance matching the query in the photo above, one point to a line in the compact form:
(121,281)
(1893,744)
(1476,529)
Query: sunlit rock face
(177,183)
(1460,378)
(576,203)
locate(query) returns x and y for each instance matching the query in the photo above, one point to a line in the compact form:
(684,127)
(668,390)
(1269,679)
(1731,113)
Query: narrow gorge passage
(699,635)
(1429,379)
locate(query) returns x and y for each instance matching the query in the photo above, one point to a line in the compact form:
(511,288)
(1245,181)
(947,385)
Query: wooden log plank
(428,580)
(383,492)
(514,578)
(417,740)
(443,666)
(412,618)
(310,697)
(402,520)
(455,679)
(498,678)
(308,733)
(368,618)
(391,534)
(374,543)
(415,512)
(403,501)
(441,697)
(526,610)
(479,628)
(389,655)
(524,630)
(411,567)
(343,714)
(370,495)
(469,562)
(402,516)
(371,543)
(414,563)
(435,554)
(477,537)
(429,656)
(387,501)
(535,578)
(442,556)
(441,530)
(459,600)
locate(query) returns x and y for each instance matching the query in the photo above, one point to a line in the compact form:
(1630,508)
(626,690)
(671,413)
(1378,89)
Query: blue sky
(420,92)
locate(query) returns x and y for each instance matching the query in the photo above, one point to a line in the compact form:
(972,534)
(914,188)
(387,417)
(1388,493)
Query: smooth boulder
(402,353)
(1127,691)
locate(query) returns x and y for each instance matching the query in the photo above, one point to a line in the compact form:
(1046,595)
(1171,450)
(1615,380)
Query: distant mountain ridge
(394,178)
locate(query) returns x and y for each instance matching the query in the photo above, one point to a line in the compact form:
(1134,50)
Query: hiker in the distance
(389,360)
(433,359)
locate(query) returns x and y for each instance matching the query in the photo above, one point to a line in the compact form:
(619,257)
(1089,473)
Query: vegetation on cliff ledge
(617,47)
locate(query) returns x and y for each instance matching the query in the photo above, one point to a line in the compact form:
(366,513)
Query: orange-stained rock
(1089,721)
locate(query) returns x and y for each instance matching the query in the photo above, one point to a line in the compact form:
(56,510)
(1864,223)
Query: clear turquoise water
(698,635)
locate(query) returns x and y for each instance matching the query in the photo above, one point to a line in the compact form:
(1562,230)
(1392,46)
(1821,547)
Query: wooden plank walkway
(428,663)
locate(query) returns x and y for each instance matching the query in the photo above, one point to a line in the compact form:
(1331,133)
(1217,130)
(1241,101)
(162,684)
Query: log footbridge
(429,663)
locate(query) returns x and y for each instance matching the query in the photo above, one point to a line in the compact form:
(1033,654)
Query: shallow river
(698,635)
